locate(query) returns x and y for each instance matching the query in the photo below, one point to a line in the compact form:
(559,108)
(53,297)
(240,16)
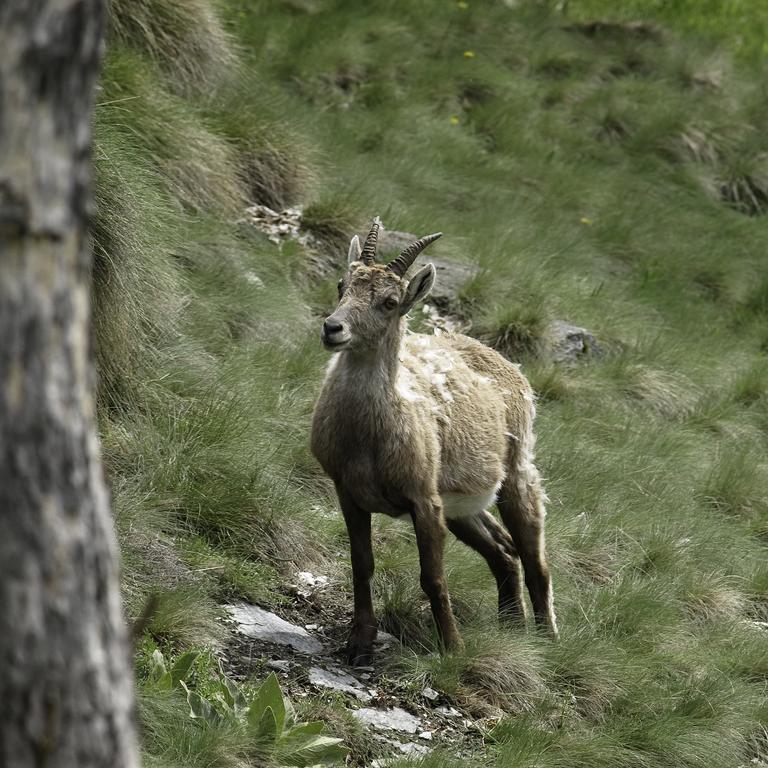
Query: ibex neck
(374,372)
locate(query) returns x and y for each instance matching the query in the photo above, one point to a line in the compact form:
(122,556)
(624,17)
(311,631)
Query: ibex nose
(331,326)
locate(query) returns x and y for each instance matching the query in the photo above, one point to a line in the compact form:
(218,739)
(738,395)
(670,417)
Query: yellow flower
(585,220)
(454,120)
(469,54)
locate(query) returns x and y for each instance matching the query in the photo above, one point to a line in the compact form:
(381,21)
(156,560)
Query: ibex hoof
(359,656)
(360,647)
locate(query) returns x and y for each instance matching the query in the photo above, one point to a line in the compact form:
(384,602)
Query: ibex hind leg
(521,504)
(483,533)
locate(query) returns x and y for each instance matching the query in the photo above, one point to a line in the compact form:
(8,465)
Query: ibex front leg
(360,643)
(430,537)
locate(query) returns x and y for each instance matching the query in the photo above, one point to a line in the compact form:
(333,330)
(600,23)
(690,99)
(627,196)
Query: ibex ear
(355,251)
(419,288)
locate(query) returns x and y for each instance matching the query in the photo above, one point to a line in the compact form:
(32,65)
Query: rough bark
(66,694)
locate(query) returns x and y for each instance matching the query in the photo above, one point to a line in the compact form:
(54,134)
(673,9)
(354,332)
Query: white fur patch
(332,363)
(435,367)
(406,385)
(462,505)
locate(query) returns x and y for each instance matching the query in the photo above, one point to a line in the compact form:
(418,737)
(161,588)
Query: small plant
(267,718)
(166,679)
(515,331)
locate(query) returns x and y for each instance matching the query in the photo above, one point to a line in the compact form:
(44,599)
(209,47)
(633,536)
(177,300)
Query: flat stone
(260,624)
(337,680)
(430,693)
(394,719)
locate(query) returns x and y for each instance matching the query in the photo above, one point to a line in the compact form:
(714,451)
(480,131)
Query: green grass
(616,181)
(184,37)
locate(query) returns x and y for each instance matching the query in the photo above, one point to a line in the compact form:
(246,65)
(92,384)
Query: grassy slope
(585,176)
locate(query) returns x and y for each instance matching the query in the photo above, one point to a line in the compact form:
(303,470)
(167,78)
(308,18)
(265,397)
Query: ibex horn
(368,256)
(400,265)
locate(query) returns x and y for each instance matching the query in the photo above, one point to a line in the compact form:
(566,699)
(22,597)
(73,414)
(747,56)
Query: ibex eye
(391,302)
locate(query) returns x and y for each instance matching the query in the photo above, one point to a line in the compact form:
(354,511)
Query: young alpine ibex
(437,428)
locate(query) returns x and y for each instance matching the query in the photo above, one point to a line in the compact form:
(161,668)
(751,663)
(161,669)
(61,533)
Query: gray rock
(566,343)
(430,693)
(255,622)
(406,748)
(394,719)
(415,750)
(451,278)
(384,640)
(337,680)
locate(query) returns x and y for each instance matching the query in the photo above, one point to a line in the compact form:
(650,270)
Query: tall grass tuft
(185,37)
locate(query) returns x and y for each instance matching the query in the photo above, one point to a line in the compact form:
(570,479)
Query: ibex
(436,428)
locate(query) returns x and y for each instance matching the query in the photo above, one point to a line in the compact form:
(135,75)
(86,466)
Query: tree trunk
(66,695)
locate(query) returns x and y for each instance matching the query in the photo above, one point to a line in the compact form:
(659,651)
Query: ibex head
(372,296)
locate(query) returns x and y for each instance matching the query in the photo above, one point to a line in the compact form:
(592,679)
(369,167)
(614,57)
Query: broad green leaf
(290,714)
(255,711)
(305,729)
(225,694)
(200,708)
(312,750)
(165,682)
(231,693)
(181,667)
(225,686)
(268,695)
(241,703)
(267,729)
